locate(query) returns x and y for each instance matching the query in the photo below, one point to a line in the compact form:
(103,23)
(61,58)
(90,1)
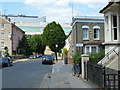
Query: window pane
(1,25)
(96,33)
(93,49)
(114,21)
(85,33)
(2,35)
(2,44)
(115,33)
(87,50)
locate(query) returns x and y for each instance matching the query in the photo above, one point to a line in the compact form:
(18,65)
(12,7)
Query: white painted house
(112,34)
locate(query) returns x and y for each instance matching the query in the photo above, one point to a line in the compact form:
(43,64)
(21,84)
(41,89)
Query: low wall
(70,60)
(17,57)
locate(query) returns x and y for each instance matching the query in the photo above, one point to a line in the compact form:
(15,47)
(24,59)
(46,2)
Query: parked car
(6,61)
(32,57)
(47,59)
(40,55)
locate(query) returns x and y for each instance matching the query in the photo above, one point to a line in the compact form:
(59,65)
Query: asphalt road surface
(26,74)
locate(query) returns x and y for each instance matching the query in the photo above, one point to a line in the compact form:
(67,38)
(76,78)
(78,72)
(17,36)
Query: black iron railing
(106,78)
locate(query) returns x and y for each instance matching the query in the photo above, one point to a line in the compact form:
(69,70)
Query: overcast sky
(54,10)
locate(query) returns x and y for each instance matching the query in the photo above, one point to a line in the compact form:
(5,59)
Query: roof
(87,19)
(18,28)
(109,4)
(5,21)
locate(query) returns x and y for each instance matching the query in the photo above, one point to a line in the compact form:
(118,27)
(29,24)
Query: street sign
(79,45)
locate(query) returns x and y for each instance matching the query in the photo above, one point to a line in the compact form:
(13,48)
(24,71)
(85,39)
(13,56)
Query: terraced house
(10,35)
(88,34)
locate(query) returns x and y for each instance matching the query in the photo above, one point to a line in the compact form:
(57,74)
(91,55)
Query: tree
(30,44)
(36,44)
(24,45)
(54,35)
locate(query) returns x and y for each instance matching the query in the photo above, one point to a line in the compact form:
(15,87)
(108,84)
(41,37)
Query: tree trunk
(56,56)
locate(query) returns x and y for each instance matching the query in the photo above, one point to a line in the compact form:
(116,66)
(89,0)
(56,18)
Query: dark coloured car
(47,59)
(5,61)
(40,55)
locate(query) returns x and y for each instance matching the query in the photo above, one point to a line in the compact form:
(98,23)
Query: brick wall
(70,60)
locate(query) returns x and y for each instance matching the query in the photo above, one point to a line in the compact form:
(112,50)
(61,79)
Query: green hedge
(96,57)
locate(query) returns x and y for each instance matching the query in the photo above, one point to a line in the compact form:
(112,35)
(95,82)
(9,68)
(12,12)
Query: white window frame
(2,44)
(2,25)
(107,22)
(85,27)
(98,34)
(113,28)
(2,35)
(90,48)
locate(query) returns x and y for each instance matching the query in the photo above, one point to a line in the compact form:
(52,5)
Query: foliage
(64,51)
(76,58)
(54,34)
(6,53)
(24,45)
(36,44)
(96,57)
(30,44)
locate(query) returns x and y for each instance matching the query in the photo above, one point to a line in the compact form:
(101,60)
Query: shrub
(96,57)
(76,58)
(64,51)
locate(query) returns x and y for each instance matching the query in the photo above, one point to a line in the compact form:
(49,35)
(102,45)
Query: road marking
(53,70)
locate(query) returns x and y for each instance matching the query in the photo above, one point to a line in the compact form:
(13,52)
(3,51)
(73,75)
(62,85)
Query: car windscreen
(3,59)
(47,57)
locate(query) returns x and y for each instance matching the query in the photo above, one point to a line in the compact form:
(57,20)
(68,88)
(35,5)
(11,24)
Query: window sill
(2,29)
(96,39)
(2,38)
(85,39)
(2,47)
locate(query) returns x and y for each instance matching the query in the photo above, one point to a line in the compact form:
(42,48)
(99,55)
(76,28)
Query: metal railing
(105,78)
(108,54)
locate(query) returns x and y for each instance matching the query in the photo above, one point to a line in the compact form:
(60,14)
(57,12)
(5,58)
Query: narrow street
(26,74)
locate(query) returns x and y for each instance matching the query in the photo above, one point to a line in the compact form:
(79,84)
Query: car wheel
(11,64)
(8,64)
(73,73)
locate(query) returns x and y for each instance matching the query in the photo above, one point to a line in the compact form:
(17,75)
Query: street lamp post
(56,52)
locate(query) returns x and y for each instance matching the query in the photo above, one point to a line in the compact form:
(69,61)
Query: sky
(54,10)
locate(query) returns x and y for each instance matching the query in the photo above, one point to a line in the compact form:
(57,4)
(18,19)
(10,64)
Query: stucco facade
(10,35)
(112,25)
(112,35)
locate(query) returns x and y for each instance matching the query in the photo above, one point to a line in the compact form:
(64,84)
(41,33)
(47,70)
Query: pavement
(61,77)
(20,60)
